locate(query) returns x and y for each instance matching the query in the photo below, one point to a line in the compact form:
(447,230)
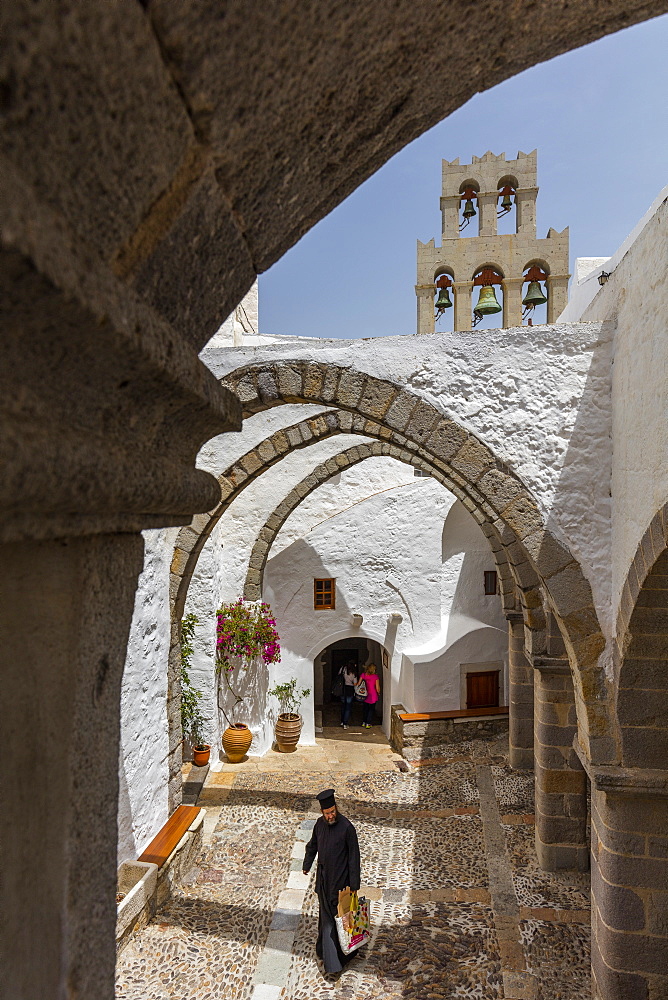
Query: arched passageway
(114,278)
(357,651)
(630,802)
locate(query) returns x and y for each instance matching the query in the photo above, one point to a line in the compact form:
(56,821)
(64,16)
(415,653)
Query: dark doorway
(339,658)
(482,689)
(358,650)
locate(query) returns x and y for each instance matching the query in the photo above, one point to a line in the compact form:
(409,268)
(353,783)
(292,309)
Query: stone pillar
(426,322)
(66,609)
(525,199)
(512,302)
(629,884)
(463,317)
(520,696)
(487,208)
(557,295)
(561,782)
(450,215)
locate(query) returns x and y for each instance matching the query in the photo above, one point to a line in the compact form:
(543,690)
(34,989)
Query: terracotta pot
(288,731)
(201,754)
(236,741)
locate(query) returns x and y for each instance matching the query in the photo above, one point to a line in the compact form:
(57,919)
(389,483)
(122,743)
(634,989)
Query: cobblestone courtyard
(459,905)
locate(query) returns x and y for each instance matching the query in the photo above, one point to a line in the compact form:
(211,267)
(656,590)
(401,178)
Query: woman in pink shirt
(370,677)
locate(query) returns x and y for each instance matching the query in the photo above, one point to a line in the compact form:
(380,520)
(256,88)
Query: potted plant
(289,722)
(245,633)
(192,722)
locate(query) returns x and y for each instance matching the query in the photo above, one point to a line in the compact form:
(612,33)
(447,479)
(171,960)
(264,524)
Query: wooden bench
(461,713)
(166,840)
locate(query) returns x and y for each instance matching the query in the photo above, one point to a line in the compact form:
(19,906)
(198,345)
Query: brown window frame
(331,580)
(491,576)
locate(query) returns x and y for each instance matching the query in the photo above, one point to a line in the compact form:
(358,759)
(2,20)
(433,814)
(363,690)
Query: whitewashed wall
(635,303)
(143,767)
(380,531)
(539,397)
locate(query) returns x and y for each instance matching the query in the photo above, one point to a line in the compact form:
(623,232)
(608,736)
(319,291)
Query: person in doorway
(349,675)
(335,842)
(372,681)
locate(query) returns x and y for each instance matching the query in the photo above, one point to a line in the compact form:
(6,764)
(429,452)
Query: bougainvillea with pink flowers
(244,633)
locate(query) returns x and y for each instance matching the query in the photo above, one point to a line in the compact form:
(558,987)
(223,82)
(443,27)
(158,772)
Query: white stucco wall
(539,397)
(635,303)
(143,765)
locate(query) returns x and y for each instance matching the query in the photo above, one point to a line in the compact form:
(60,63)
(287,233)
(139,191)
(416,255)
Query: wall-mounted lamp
(603,277)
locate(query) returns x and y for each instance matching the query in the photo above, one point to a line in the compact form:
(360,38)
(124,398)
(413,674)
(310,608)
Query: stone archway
(630,801)
(519,595)
(487,487)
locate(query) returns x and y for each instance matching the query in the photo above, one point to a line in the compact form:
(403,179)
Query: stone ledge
(153,890)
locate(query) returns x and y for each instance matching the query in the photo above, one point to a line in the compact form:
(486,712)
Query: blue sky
(599,119)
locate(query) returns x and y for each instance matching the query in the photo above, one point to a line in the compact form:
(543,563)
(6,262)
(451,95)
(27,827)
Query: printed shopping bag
(360,930)
(360,690)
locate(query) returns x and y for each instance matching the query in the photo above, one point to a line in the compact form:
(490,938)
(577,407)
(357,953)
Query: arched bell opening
(506,206)
(444,300)
(469,210)
(487,298)
(535,293)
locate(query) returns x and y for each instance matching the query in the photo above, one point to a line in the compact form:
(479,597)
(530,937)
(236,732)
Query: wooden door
(482,689)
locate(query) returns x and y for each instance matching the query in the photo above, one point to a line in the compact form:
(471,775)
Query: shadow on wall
(251,684)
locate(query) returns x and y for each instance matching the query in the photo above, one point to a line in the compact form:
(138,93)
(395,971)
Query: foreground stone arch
(490,490)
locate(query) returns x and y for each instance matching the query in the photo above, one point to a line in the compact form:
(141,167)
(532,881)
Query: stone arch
(642,652)
(321,474)
(491,491)
(519,584)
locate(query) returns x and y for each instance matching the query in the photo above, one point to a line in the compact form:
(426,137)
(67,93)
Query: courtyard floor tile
(459,905)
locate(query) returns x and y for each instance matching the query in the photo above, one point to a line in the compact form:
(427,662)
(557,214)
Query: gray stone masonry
(414,736)
(520,696)
(629,858)
(561,782)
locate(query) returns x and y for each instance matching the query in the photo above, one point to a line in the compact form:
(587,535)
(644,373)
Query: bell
(534,295)
(506,202)
(487,303)
(443,300)
(469,210)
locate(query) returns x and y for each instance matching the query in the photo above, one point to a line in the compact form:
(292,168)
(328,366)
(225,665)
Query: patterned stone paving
(436,932)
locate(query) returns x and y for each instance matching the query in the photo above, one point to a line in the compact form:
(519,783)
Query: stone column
(525,199)
(487,208)
(520,696)
(561,782)
(629,884)
(557,295)
(66,609)
(425,308)
(512,302)
(450,215)
(463,316)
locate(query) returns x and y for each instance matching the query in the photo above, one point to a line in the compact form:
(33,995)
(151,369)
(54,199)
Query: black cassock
(338,866)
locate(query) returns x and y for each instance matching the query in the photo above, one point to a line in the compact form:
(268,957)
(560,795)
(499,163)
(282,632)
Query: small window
(324,594)
(491,583)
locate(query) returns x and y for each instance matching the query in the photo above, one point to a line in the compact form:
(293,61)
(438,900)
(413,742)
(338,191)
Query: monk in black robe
(335,842)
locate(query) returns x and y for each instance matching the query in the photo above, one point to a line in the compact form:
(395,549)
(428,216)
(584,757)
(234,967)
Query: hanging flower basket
(245,634)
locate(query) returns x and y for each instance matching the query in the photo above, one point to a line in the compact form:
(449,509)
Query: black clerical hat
(326,798)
